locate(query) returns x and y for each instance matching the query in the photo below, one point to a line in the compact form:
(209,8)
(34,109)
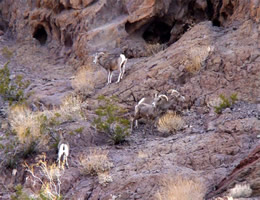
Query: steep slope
(201,48)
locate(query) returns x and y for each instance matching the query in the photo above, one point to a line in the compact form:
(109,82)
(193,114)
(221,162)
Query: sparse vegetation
(110,120)
(20,194)
(7,53)
(241,191)
(194,65)
(49,179)
(79,130)
(95,162)
(85,78)
(225,102)
(36,127)
(12,90)
(34,130)
(195,58)
(181,189)
(170,123)
(153,49)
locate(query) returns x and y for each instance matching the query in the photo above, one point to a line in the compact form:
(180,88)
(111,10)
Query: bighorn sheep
(63,150)
(111,62)
(148,109)
(174,98)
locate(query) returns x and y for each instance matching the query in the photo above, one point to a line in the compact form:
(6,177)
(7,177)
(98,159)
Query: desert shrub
(7,53)
(12,90)
(181,189)
(95,162)
(194,65)
(225,102)
(241,191)
(9,157)
(153,49)
(28,126)
(110,119)
(49,178)
(34,130)
(170,123)
(86,78)
(20,194)
(79,130)
(196,57)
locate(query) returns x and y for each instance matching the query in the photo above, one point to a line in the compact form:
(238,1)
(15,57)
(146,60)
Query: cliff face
(85,26)
(202,48)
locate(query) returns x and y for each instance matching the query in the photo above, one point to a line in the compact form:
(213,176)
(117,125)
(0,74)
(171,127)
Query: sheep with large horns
(111,62)
(148,109)
(174,98)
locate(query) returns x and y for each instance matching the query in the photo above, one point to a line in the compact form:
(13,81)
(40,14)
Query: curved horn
(164,96)
(173,91)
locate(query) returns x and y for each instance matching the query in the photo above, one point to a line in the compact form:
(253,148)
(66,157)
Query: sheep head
(97,56)
(177,95)
(160,100)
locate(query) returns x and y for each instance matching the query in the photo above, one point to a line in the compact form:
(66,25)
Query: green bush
(12,90)
(110,119)
(225,102)
(19,194)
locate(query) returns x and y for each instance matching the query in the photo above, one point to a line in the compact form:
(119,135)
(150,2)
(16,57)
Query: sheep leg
(123,69)
(136,123)
(66,159)
(59,161)
(108,77)
(119,76)
(111,75)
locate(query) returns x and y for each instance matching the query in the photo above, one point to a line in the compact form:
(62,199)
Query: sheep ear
(156,95)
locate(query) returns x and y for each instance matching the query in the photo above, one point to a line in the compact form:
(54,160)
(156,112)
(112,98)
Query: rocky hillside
(207,50)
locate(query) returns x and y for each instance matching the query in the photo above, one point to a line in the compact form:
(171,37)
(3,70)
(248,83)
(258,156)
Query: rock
(76,4)
(247,169)
(211,126)
(203,50)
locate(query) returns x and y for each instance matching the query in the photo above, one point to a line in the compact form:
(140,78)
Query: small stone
(227,110)
(211,126)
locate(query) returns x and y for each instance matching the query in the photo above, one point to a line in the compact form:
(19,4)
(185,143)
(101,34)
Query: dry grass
(82,83)
(26,125)
(29,126)
(86,78)
(153,49)
(196,57)
(170,123)
(104,178)
(194,65)
(181,189)
(240,191)
(49,178)
(96,162)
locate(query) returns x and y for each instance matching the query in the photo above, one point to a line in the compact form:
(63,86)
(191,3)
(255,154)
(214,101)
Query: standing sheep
(174,99)
(63,150)
(111,62)
(147,109)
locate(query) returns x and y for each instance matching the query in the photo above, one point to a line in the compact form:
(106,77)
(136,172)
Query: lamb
(111,62)
(63,150)
(147,109)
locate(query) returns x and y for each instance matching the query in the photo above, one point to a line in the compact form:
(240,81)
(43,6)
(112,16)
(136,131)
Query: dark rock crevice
(40,34)
(157,32)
